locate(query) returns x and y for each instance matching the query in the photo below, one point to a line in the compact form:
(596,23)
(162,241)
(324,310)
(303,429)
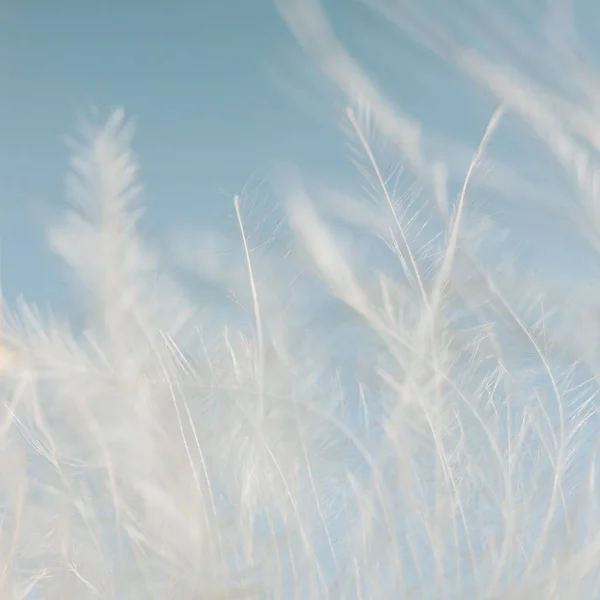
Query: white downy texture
(396,403)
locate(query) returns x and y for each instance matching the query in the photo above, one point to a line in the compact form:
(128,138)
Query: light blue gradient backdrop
(206,82)
(202,80)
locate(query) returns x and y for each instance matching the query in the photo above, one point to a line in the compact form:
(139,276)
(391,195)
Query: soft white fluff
(394,405)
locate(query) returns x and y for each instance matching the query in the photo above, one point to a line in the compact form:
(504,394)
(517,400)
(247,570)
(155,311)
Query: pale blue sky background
(200,77)
(203,79)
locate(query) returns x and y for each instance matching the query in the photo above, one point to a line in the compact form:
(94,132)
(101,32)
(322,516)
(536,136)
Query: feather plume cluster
(395,404)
